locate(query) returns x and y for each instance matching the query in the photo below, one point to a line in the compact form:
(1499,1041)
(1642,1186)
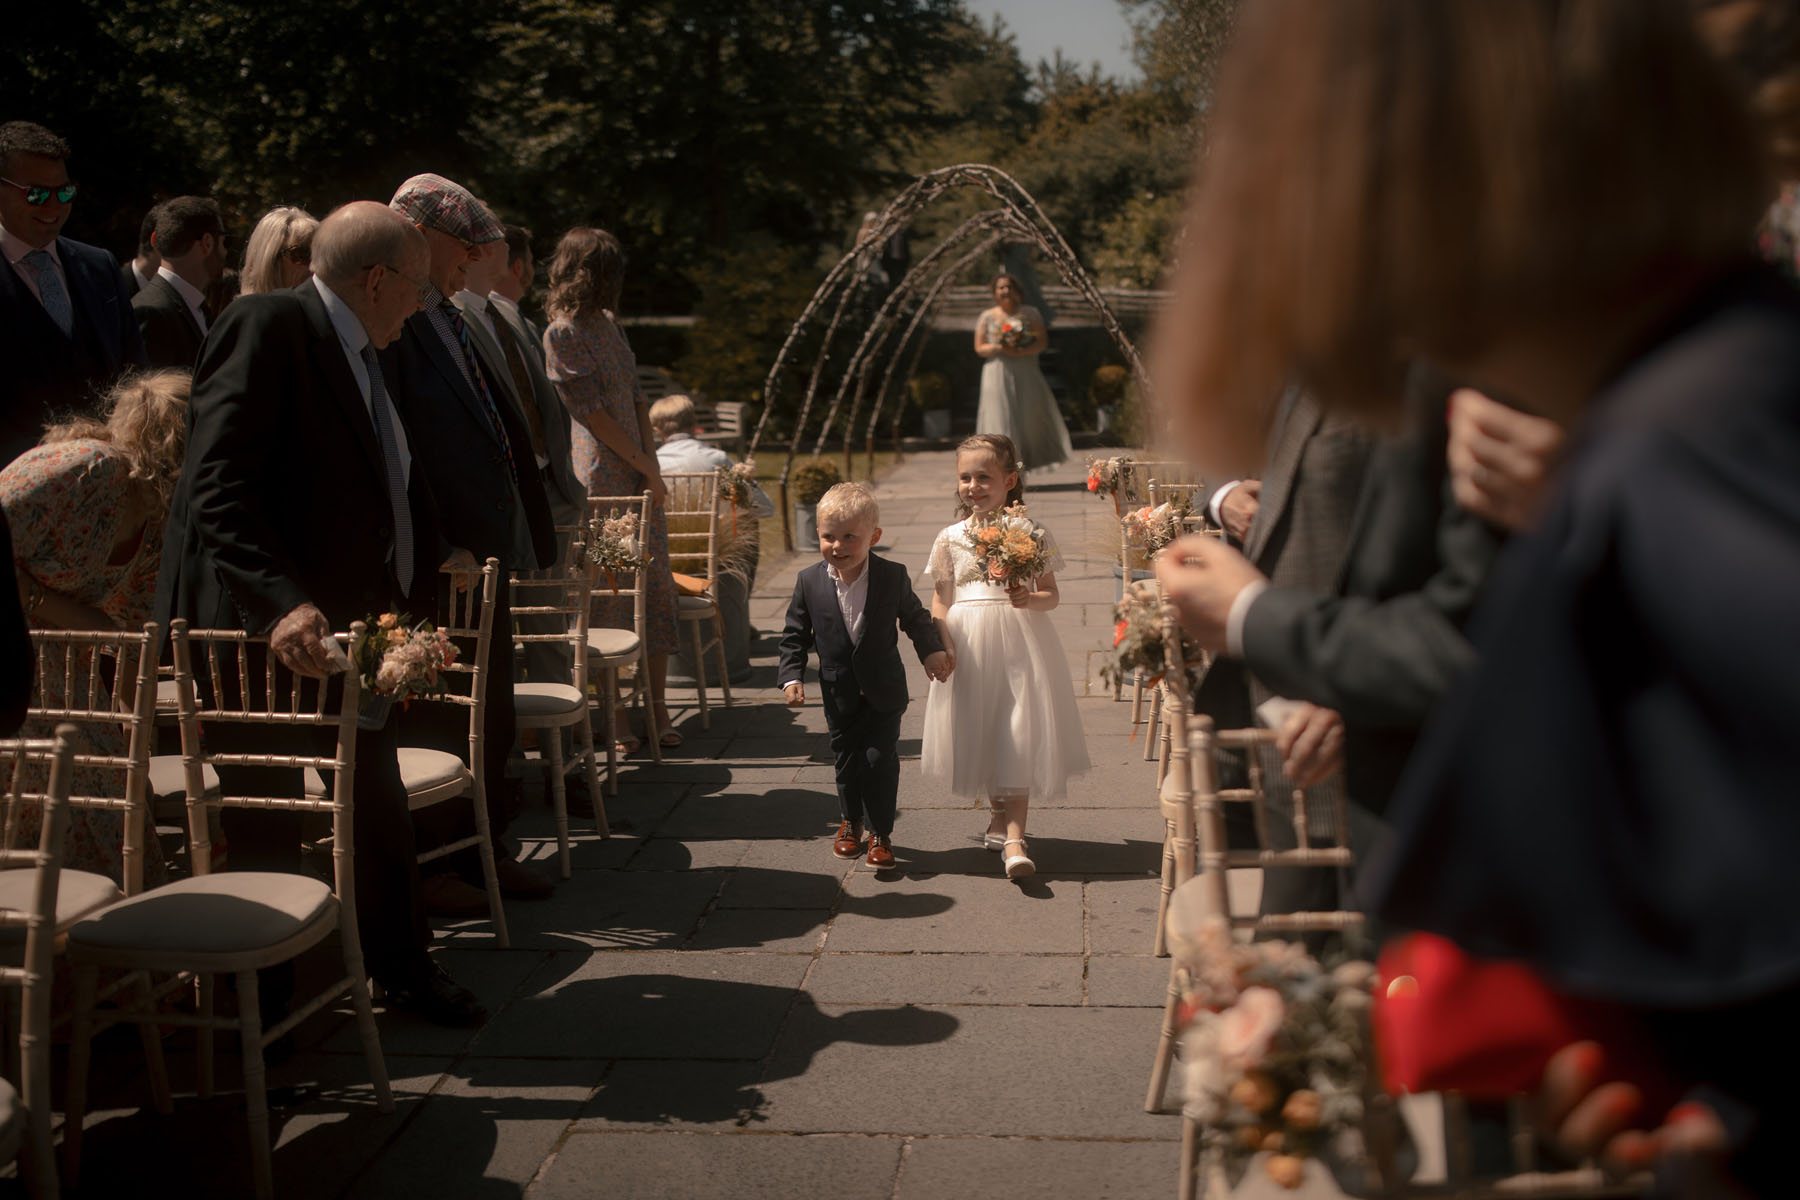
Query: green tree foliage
(749,297)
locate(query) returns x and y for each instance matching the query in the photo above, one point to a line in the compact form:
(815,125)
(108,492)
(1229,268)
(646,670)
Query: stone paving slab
(957,912)
(946,979)
(680,1166)
(1034,1168)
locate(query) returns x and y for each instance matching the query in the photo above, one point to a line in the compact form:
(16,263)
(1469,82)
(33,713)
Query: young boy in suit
(850,608)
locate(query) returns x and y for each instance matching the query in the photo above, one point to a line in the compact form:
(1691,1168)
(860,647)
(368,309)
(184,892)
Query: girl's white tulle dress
(1006,720)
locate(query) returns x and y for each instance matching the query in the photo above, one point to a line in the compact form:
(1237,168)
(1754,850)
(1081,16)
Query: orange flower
(1119,631)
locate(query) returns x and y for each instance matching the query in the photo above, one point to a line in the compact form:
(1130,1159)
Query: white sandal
(1017,865)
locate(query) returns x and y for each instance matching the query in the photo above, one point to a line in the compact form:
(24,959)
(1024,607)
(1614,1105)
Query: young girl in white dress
(1004,726)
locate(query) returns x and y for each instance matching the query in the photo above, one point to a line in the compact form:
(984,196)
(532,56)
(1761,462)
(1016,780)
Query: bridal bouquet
(1016,333)
(1157,527)
(1274,1049)
(1008,548)
(613,544)
(399,660)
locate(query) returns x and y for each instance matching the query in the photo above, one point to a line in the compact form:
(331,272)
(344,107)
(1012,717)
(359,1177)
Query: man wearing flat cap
(476,452)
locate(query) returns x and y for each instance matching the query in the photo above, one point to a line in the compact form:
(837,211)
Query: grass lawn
(768,474)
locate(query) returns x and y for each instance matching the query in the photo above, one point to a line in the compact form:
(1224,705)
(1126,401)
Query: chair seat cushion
(612,643)
(421,770)
(546,699)
(695,608)
(168,777)
(228,913)
(78,893)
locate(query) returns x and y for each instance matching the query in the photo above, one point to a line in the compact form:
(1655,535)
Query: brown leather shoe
(881,852)
(446,895)
(849,840)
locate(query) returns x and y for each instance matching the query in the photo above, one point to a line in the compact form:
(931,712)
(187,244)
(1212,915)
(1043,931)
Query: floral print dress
(64,503)
(591,363)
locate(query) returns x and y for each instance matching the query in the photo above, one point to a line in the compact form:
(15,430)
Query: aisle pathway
(715,1006)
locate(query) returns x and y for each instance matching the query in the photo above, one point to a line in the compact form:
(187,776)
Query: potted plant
(931,396)
(810,480)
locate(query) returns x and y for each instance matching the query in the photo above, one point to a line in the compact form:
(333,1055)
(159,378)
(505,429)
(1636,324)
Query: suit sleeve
(915,618)
(1381,663)
(163,337)
(796,638)
(131,340)
(238,411)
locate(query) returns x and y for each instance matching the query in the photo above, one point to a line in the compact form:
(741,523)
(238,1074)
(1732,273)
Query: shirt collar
(504,303)
(831,570)
(16,247)
(433,297)
(477,302)
(682,435)
(187,291)
(349,326)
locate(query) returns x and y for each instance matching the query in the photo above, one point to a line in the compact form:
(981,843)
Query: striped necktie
(481,388)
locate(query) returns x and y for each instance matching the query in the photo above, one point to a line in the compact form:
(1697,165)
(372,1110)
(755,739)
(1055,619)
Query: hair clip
(1019,466)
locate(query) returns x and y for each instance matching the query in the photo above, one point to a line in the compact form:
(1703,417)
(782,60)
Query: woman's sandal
(995,842)
(1017,865)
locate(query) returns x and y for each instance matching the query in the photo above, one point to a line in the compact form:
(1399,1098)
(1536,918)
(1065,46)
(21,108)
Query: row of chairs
(1198,863)
(187,932)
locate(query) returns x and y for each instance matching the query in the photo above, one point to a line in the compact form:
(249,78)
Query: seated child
(672,420)
(851,607)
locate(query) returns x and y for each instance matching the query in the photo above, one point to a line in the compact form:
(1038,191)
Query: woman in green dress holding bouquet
(1015,401)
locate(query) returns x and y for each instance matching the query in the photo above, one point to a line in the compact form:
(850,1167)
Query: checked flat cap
(437,203)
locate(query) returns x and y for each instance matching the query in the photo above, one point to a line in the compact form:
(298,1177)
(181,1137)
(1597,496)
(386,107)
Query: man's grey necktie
(52,292)
(396,475)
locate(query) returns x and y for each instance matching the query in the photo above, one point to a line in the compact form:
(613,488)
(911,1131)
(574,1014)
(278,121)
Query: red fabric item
(1486,1028)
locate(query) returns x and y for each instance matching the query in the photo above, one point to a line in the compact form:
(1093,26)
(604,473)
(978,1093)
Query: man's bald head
(360,235)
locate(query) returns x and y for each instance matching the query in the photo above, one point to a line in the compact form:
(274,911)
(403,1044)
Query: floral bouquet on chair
(398,660)
(1008,547)
(1108,476)
(1016,333)
(1275,1050)
(735,482)
(1139,638)
(1157,527)
(613,544)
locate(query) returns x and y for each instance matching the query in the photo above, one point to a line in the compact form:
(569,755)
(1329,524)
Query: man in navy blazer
(850,608)
(66,328)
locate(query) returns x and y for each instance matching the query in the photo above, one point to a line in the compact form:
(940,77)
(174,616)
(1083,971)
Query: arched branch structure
(1021,219)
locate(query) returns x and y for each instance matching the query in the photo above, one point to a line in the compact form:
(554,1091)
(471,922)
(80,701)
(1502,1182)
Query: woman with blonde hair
(279,252)
(87,508)
(1552,199)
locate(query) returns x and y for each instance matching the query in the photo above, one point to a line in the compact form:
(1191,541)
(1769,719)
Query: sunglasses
(36,196)
(299,255)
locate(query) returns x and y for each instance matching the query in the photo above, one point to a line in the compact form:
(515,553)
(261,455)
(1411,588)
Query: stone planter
(806,528)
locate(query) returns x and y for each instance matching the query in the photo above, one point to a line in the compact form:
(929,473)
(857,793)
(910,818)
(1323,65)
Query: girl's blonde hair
(1006,454)
(147,422)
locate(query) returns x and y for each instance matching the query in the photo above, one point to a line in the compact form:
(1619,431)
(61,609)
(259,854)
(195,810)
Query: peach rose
(1247,1027)
(1286,1170)
(1303,1109)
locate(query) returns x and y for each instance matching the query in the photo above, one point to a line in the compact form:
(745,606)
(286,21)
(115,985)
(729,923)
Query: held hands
(1202,576)
(1311,745)
(939,664)
(1500,458)
(1238,508)
(460,560)
(795,693)
(298,640)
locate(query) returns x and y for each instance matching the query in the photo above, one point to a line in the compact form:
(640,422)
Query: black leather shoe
(520,882)
(432,994)
(576,798)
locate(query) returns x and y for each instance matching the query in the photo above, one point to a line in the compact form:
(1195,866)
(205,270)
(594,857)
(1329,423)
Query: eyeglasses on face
(300,256)
(36,196)
(419,285)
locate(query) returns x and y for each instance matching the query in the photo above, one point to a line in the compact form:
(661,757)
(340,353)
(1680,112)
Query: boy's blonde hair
(672,414)
(853,502)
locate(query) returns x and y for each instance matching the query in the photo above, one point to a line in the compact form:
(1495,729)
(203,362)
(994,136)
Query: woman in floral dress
(595,373)
(87,508)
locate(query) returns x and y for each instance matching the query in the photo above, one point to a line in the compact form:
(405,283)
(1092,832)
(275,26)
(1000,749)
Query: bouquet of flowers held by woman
(1274,1050)
(398,660)
(1156,527)
(613,544)
(1008,548)
(1016,333)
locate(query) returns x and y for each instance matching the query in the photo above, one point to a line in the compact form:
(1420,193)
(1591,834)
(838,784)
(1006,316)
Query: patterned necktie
(52,292)
(481,388)
(515,363)
(396,475)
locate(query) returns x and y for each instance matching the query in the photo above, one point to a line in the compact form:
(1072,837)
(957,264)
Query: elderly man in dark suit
(66,329)
(473,444)
(171,308)
(302,508)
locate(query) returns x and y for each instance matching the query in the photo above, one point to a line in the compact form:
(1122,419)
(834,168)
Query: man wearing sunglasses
(66,328)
